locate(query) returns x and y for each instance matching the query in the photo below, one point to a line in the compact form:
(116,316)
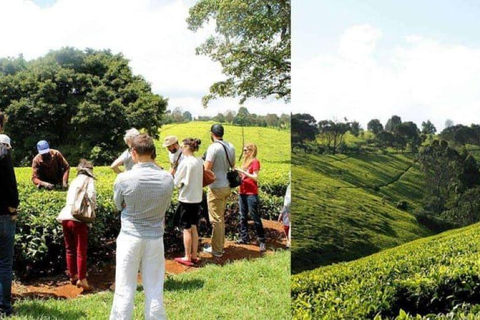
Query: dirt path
(60,288)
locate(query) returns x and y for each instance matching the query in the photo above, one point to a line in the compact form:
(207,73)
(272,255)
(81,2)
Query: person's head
(85,167)
(216,131)
(4,144)
(129,135)
(171,143)
(143,148)
(250,150)
(249,153)
(43,148)
(191,144)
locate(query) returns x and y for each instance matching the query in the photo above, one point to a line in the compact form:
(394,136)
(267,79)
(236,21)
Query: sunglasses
(245,150)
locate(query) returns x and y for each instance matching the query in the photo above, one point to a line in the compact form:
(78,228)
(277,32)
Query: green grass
(436,277)
(255,289)
(345,206)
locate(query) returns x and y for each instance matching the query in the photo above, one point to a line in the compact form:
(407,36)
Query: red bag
(208,177)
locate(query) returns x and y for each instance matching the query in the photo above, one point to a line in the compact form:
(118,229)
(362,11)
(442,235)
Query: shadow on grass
(35,309)
(172,284)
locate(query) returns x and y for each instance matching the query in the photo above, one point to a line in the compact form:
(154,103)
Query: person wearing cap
(9,201)
(49,168)
(174,152)
(216,160)
(125,158)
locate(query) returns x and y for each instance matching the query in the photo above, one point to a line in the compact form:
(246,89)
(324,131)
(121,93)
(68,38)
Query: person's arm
(36,177)
(116,164)
(255,166)
(11,183)
(66,170)
(118,196)
(179,175)
(91,192)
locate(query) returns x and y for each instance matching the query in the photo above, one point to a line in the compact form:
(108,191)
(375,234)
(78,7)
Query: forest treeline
(447,159)
(242,117)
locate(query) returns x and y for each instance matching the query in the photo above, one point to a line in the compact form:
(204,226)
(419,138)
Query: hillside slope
(434,278)
(344,207)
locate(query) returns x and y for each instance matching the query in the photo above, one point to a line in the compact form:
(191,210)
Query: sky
(151,34)
(371,59)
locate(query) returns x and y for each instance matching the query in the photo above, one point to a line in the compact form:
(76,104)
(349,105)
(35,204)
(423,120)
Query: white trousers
(134,253)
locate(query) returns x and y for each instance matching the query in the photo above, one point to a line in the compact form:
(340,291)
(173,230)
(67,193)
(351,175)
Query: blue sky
(343,50)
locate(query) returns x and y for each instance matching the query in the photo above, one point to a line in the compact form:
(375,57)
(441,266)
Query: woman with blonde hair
(75,232)
(248,196)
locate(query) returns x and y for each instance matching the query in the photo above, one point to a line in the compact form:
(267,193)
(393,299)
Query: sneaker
(241,241)
(214,253)
(263,247)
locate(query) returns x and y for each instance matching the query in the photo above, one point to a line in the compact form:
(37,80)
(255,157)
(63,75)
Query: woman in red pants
(75,233)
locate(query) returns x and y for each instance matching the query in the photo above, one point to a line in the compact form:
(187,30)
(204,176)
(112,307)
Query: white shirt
(127,160)
(173,157)
(189,179)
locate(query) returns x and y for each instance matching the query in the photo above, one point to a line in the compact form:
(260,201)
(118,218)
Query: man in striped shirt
(143,195)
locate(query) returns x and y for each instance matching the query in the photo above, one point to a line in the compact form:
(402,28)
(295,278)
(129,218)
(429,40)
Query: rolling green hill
(345,207)
(436,277)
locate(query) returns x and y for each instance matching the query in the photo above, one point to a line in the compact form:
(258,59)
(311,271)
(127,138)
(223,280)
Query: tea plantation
(347,207)
(436,277)
(39,240)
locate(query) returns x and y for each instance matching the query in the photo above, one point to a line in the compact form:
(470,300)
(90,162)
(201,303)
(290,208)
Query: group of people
(142,193)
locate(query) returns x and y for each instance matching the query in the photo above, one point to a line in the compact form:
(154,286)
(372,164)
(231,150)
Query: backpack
(83,208)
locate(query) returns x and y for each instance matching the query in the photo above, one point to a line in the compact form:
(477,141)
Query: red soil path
(60,288)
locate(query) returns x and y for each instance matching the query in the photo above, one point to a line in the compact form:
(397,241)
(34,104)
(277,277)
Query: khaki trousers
(217,203)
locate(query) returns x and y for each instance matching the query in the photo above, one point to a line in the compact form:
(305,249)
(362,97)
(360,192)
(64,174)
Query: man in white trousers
(143,195)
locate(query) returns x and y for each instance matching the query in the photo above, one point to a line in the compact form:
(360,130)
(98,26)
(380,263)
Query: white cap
(5,140)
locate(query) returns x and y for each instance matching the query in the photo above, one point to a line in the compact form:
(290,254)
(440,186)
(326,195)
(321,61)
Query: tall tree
(392,123)
(375,126)
(332,133)
(252,44)
(428,127)
(304,128)
(409,133)
(80,101)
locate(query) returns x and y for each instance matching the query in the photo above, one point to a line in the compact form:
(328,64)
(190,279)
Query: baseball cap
(169,141)
(5,140)
(217,129)
(43,147)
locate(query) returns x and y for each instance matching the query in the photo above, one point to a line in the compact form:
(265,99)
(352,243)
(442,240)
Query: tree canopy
(252,44)
(80,101)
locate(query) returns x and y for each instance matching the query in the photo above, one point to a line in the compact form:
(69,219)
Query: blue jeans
(7,237)
(249,204)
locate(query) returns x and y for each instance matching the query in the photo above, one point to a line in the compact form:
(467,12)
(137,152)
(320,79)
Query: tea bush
(39,246)
(432,278)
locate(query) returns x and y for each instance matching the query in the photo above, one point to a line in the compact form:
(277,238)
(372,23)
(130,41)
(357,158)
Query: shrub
(39,246)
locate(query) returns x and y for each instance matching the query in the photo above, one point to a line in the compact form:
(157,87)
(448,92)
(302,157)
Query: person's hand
(47,185)
(279,217)
(12,210)
(65,185)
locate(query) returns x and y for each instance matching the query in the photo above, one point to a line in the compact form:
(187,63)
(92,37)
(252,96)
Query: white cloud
(421,79)
(152,34)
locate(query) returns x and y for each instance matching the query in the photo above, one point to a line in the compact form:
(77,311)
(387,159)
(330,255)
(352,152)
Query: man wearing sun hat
(49,168)
(174,152)
(8,212)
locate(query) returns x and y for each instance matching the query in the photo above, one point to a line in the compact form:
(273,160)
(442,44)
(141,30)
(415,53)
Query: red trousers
(75,235)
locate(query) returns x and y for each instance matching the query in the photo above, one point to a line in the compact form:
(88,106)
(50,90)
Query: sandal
(184,262)
(84,284)
(196,261)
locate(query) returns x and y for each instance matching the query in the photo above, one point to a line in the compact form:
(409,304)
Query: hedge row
(39,247)
(432,278)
